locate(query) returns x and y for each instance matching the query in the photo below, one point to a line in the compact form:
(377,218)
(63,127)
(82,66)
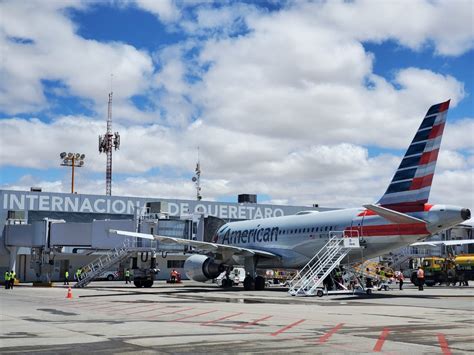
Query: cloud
(165,10)
(447,25)
(40,43)
(284,104)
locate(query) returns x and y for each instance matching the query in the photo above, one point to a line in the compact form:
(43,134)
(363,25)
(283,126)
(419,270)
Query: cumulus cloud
(39,43)
(287,108)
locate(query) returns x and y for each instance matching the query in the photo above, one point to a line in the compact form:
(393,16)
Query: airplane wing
(210,247)
(393,216)
(443,242)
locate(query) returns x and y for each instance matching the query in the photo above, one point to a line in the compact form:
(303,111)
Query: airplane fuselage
(295,239)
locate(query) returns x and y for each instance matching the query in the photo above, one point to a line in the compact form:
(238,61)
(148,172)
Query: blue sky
(275,94)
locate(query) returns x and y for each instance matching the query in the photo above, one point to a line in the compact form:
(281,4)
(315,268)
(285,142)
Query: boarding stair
(311,276)
(110,258)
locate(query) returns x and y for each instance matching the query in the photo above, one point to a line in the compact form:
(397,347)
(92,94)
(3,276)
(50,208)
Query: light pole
(73,160)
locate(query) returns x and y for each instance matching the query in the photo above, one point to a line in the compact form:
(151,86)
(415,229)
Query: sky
(299,102)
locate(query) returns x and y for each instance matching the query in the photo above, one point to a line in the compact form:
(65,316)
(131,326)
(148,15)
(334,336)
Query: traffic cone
(69,293)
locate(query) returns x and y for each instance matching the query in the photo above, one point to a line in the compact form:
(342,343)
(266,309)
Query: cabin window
(326,228)
(312,230)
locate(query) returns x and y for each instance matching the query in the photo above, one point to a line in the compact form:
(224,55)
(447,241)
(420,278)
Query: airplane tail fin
(411,184)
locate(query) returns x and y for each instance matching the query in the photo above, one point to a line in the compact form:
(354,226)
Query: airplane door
(357,223)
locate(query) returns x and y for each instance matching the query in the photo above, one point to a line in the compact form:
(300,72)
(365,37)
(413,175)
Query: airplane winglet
(393,216)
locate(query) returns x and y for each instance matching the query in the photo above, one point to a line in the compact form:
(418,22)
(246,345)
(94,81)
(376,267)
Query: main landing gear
(257,283)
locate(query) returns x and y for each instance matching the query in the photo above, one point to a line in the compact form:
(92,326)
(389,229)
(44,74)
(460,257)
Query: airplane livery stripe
(429,157)
(436,131)
(391,230)
(421,182)
(413,178)
(428,122)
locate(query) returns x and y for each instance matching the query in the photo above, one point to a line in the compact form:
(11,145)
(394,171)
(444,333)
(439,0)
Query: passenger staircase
(311,276)
(112,257)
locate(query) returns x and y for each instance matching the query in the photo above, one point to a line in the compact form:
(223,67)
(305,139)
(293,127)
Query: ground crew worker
(174,274)
(368,279)
(7,280)
(78,274)
(66,277)
(127,276)
(12,279)
(420,275)
(401,278)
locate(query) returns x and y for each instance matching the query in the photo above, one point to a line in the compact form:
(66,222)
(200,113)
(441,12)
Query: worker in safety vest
(7,280)
(174,275)
(420,275)
(127,276)
(12,279)
(66,277)
(78,274)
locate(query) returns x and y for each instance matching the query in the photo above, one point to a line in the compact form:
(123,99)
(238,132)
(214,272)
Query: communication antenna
(107,143)
(197,179)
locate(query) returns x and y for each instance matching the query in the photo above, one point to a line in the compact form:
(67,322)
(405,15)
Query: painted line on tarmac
(251,323)
(289,326)
(175,311)
(443,344)
(192,316)
(147,310)
(325,337)
(383,336)
(222,318)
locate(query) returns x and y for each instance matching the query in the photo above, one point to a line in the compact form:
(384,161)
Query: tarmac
(111,317)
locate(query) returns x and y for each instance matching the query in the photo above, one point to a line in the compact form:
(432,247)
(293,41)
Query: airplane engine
(202,268)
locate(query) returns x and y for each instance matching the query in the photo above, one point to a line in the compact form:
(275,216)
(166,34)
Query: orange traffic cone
(69,293)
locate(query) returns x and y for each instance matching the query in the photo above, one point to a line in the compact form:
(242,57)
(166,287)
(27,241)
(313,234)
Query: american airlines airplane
(401,217)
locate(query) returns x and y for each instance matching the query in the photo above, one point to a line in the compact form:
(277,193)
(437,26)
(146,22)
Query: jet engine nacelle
(202,268)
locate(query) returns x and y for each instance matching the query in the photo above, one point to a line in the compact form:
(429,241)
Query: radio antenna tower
(197,179)
(107,143)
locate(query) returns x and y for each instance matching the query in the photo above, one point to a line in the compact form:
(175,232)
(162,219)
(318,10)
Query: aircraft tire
(249,283)
(319,293)
(259,283)
(226,283)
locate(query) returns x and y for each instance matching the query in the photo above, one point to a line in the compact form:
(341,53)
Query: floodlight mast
(107,143)
(74,160)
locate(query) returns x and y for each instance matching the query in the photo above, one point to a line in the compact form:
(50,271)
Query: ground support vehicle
(143,267)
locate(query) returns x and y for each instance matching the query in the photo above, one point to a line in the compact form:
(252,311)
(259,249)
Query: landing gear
(259,283)
(249,283)
(226,283)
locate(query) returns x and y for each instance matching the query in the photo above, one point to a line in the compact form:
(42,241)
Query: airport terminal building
(60,231)
(70,229)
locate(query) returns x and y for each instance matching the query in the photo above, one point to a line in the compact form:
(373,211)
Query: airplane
(401,217)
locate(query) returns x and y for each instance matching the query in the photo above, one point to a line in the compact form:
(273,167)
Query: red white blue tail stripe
(411,183)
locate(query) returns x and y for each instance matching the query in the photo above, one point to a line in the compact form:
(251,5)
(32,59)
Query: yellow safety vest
(66,274)
(7,276)
(127,273)
(12,276)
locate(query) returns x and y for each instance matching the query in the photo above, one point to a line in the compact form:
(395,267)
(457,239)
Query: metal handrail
(312,274)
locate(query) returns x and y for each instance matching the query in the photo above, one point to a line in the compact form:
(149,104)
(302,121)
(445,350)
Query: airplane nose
(465,213)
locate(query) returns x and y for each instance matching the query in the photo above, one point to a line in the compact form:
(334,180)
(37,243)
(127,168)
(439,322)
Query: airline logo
(412,181)
(248,236)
